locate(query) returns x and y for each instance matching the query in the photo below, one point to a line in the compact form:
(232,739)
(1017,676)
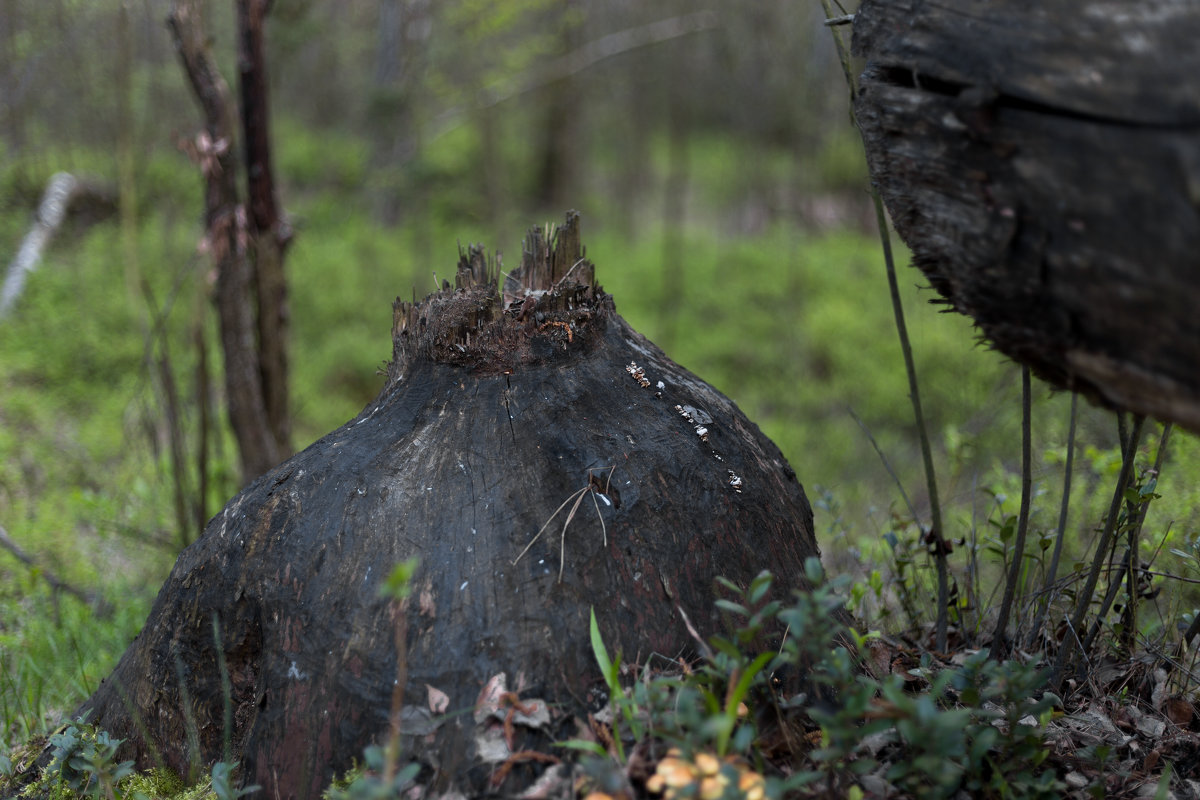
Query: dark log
(1042,162)
(502,404)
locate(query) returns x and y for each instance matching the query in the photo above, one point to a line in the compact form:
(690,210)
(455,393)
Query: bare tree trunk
(557,178)
(558,175)
(200,504)
(674,215)
(65,195)
(270,234)
(255,363)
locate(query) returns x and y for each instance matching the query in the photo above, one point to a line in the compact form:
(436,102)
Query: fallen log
(511,408)
(1042,162)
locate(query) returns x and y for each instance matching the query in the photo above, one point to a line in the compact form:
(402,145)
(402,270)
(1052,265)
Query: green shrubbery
(829,719)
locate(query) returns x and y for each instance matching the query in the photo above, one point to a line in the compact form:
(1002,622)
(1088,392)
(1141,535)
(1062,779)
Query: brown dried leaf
(439,701)
(879,656)
(489,697)
(1179,710)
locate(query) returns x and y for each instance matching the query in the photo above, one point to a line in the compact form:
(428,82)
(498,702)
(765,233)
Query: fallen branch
(62,192)
(98,604)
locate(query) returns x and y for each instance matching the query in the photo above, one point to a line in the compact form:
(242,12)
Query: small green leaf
(759,587)
(584,746)
(599,650)
(398,585)
(814,571)
(735,608)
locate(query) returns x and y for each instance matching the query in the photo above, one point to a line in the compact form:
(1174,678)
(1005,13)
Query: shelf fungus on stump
(511,408)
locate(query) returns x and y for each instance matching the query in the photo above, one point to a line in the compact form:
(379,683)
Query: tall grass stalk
(934,536)
(1060,533)
(1000,642)
(1067,653)
(1127,571)
(1135,532)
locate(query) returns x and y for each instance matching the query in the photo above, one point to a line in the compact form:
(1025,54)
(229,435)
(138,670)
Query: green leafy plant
(84,759)
(222,782)
(978,727)
(610,668)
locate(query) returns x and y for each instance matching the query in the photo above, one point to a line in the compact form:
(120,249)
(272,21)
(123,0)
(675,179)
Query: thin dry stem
(577,497)
(1060,535)
(1000,643)
(1102,547)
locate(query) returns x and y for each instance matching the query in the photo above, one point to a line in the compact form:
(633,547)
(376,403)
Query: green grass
(795,326)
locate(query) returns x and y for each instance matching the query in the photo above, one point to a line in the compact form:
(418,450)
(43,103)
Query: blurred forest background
(707,145)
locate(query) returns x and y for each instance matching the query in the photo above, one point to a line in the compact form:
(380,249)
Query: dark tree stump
(1042,162)
(500,405)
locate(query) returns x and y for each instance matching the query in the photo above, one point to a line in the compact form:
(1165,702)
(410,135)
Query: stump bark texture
(505,402)
(1042,162)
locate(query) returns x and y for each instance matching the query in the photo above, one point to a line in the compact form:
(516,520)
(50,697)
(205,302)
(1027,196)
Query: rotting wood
(1042,162)
(490,419)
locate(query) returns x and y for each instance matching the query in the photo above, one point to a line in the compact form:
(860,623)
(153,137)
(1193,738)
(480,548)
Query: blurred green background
(707,145)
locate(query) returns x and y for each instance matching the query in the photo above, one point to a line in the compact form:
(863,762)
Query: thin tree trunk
(269,231)
(200,505)
(257,402)
(674,214)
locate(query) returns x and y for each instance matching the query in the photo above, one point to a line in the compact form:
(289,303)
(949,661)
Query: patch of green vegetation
(83,763)
(931,732)
(794,325)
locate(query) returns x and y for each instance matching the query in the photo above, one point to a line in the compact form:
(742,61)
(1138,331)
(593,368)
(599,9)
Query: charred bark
(503,401)
(1042,163)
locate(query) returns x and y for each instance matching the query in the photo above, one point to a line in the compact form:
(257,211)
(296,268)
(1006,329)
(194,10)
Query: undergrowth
(814,716)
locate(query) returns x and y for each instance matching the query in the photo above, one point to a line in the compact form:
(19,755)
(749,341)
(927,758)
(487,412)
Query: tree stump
(508,408)
(1042,162)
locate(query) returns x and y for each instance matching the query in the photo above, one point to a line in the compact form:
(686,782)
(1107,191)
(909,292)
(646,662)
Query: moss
(25,779)
(156,782)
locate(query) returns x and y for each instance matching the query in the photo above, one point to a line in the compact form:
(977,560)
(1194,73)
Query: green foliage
(398,584)
(978,727)
(222,783)
(84,760)
(83,764)
(57,654)
(371,780)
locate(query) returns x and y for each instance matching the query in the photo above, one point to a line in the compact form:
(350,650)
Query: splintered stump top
(510,409)
(1042,162)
